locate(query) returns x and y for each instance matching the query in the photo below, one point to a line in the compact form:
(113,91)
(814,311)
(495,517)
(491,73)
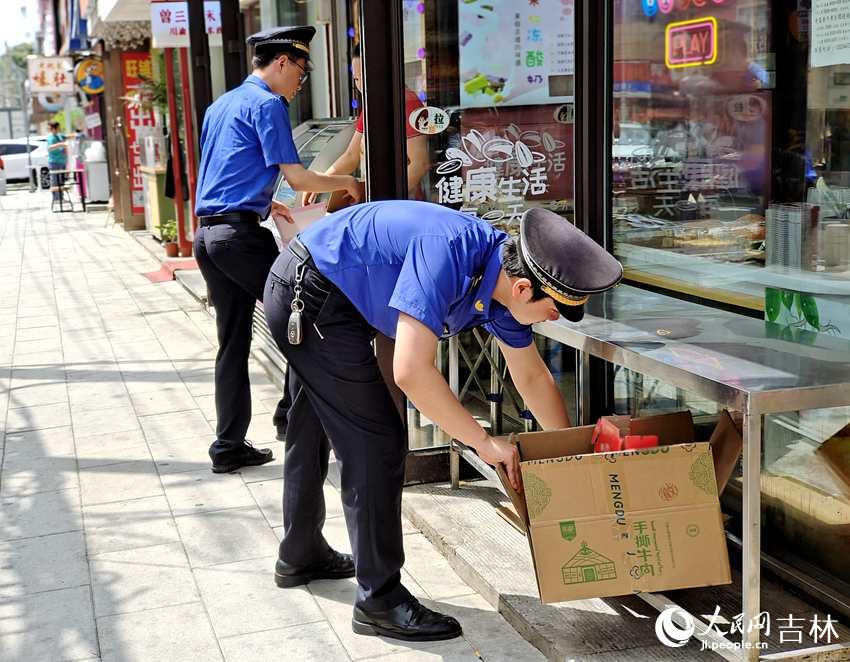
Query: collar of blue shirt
(259,82)
(487,283)
(256,80)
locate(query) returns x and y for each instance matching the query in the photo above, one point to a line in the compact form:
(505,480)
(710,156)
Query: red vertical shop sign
(136,66)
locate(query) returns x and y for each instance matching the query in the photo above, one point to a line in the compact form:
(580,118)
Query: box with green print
(606,524)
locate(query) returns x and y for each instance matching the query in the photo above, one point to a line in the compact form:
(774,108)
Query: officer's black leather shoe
(410,621)
(243,456)
(281,432)
(336,566)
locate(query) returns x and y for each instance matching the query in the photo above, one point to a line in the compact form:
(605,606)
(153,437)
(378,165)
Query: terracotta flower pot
(170,249)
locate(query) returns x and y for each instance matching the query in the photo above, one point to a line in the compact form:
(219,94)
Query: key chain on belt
(293,329)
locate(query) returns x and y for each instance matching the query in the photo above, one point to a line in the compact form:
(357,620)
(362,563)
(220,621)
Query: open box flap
(674,428)
(517,499)
(554,443)
(726,446)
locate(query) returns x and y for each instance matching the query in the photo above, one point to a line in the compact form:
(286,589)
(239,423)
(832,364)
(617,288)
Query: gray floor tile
(39,417)
(30,395)
(227,588)
(431,570)
(21,447)
(104,421)
(315,641)
(40,474)
(40,514)
(176,634)
(32,565)
(57,625)
(162,426)
(141,578)
(129,524)
(226,536)
(119,482)
(203,491)
(174,398)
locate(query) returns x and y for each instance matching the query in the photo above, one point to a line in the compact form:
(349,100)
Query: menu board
(830,33)
(515,53)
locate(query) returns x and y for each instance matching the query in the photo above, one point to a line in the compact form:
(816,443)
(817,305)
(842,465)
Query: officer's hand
(280,212)
(309,198)
(355,191)
(495,452)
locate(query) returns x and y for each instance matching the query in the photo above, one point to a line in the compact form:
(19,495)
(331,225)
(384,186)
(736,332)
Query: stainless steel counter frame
(737,362)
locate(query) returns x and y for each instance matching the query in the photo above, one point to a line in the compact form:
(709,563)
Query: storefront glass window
(489,123)
(731,184)
(731,155)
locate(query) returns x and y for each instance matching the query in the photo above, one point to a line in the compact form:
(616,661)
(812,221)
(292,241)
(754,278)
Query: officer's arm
(536,386)
(345,164)
(415,374)
(349,159)
(417,161)
(301,179)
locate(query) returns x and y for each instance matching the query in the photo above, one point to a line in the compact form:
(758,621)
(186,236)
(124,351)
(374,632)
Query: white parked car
(21,157)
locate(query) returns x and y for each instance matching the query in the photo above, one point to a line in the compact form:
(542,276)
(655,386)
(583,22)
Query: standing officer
(416,272)
(246,141)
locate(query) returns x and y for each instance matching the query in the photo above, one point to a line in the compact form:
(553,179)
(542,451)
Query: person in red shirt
(354,155)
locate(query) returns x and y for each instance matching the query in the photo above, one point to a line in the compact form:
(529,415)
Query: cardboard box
(607,524)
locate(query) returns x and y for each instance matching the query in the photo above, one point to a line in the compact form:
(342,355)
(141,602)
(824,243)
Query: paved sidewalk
(116,541)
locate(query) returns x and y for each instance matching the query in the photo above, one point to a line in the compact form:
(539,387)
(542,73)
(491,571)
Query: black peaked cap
(298,37)
(567,264)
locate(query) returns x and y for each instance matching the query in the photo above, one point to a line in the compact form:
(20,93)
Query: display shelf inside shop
(743,279)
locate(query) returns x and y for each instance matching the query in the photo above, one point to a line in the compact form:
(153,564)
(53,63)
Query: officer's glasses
(304,72)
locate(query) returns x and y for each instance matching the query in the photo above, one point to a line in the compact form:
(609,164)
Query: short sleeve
(429,282)
(272,124)
(508,330)
(358,124)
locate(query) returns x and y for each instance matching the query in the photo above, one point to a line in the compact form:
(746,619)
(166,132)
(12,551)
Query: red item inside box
(635,441)
(606,437)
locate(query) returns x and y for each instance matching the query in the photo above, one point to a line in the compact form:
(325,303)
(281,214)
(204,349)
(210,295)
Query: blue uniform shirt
(435,264)
(246,135)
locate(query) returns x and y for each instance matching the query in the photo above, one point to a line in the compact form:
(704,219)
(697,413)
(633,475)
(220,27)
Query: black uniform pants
(339,400)
(235,259)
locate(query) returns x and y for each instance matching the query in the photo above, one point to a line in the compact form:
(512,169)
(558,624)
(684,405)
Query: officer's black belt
(301,251)
(230,217)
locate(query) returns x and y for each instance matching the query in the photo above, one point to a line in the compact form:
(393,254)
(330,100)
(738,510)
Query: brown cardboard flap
(517,499)
(554,443)
(836,453)
(675,428)
(510,516)
(726,446)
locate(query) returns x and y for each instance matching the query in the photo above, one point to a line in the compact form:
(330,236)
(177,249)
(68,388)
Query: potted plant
(168,231)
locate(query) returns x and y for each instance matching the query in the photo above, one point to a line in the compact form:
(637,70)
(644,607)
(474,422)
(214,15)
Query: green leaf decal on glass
(810,311)
(772,304)
(798,304)
(787,298)
(787,334)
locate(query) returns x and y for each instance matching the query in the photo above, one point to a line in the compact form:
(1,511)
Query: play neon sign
(690,43)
